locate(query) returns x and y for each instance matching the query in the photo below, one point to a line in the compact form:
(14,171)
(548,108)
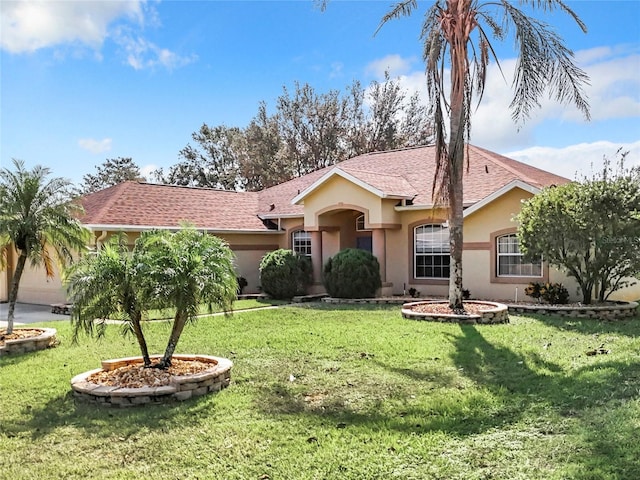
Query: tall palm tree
(102,285)
(39,218)
(184,270)
(457,34)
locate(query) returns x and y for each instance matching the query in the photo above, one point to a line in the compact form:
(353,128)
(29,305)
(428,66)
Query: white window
(360,224)
(510,260)
(301,242)
(431,251)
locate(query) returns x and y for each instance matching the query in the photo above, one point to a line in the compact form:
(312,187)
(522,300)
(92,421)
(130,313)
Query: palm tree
(102,285)
(39,217)
(184,270)
(457,33)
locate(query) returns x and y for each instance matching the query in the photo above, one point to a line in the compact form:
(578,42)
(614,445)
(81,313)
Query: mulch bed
(136,376)
(473,308)
(18,333)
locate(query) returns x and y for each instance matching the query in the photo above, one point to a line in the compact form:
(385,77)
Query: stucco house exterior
(379,201)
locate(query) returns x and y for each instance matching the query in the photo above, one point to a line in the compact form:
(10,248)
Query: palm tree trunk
(456,239)
(459,24)
(178,325)
(13,292)
(142,343)
(456,157)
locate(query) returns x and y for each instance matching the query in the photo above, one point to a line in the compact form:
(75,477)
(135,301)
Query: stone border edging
(498,314)
(43,341)
(373,301)
(615,311)
(182,387)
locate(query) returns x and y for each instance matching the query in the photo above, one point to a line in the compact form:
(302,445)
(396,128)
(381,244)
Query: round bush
(352,273)
(284,274)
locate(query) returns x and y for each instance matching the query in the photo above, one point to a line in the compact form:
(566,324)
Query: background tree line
(308,131)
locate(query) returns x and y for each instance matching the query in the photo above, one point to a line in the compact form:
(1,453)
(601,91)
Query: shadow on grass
(63,411)
(583,394)
(389,404)
(503,388)
(627,327)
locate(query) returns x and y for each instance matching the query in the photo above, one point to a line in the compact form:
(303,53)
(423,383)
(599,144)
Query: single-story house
(380,202)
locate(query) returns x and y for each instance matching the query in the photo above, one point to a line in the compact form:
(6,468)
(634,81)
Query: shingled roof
(137,204)
(399,173)
(487,173)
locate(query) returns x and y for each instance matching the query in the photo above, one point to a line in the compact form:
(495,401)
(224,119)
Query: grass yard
(336,392)
(238,305)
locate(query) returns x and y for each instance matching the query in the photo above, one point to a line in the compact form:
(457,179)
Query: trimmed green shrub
(352,273)
(285,274)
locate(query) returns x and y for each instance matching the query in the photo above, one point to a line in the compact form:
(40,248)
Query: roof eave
(143,228)
(425,206)
(275,216)
(500,192)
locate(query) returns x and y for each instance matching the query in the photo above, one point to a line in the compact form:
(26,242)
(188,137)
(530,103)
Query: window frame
(513,241)
(512,279)
(445,252)
(297,246)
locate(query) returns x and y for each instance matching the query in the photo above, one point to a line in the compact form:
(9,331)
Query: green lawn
(237,306)
(372,396)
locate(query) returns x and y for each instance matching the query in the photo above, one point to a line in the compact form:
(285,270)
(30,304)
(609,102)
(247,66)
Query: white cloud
(615,87)
(147,170)
(395,64)
(614,93)
(141,54)
(95,146)
(577,161)
(29,25)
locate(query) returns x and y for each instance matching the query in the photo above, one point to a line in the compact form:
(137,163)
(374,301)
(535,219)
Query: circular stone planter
(181,387)
(46,339)
(610,311)
(492,313)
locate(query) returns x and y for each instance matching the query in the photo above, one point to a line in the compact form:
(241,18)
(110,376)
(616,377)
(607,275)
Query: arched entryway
(342,227)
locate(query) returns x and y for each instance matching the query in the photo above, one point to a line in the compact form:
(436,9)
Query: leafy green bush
(352,273)
(554,293)
(590,229)
(285,274)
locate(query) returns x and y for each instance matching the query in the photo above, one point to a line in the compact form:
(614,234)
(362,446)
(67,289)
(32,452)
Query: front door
(364,243)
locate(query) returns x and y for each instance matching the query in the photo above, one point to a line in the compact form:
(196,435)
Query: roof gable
(387,186)
(499,193)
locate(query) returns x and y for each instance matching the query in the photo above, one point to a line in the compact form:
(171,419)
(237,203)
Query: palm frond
(550,5)
(400,9)
(544,62)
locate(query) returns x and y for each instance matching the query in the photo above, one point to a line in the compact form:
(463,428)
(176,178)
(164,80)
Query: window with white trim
(431,251)
(360,224)
(510,262)
(301,243)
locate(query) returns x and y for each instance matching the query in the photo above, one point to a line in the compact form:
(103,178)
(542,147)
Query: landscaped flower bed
(28,340)
(94,388)
(608,311)
(439,311)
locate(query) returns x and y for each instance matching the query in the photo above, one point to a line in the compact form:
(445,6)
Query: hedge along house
(379,202)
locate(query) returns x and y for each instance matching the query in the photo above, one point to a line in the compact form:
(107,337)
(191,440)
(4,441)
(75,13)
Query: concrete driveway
(29,313)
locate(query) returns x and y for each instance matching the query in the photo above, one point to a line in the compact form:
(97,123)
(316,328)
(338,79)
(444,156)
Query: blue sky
(90,80)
